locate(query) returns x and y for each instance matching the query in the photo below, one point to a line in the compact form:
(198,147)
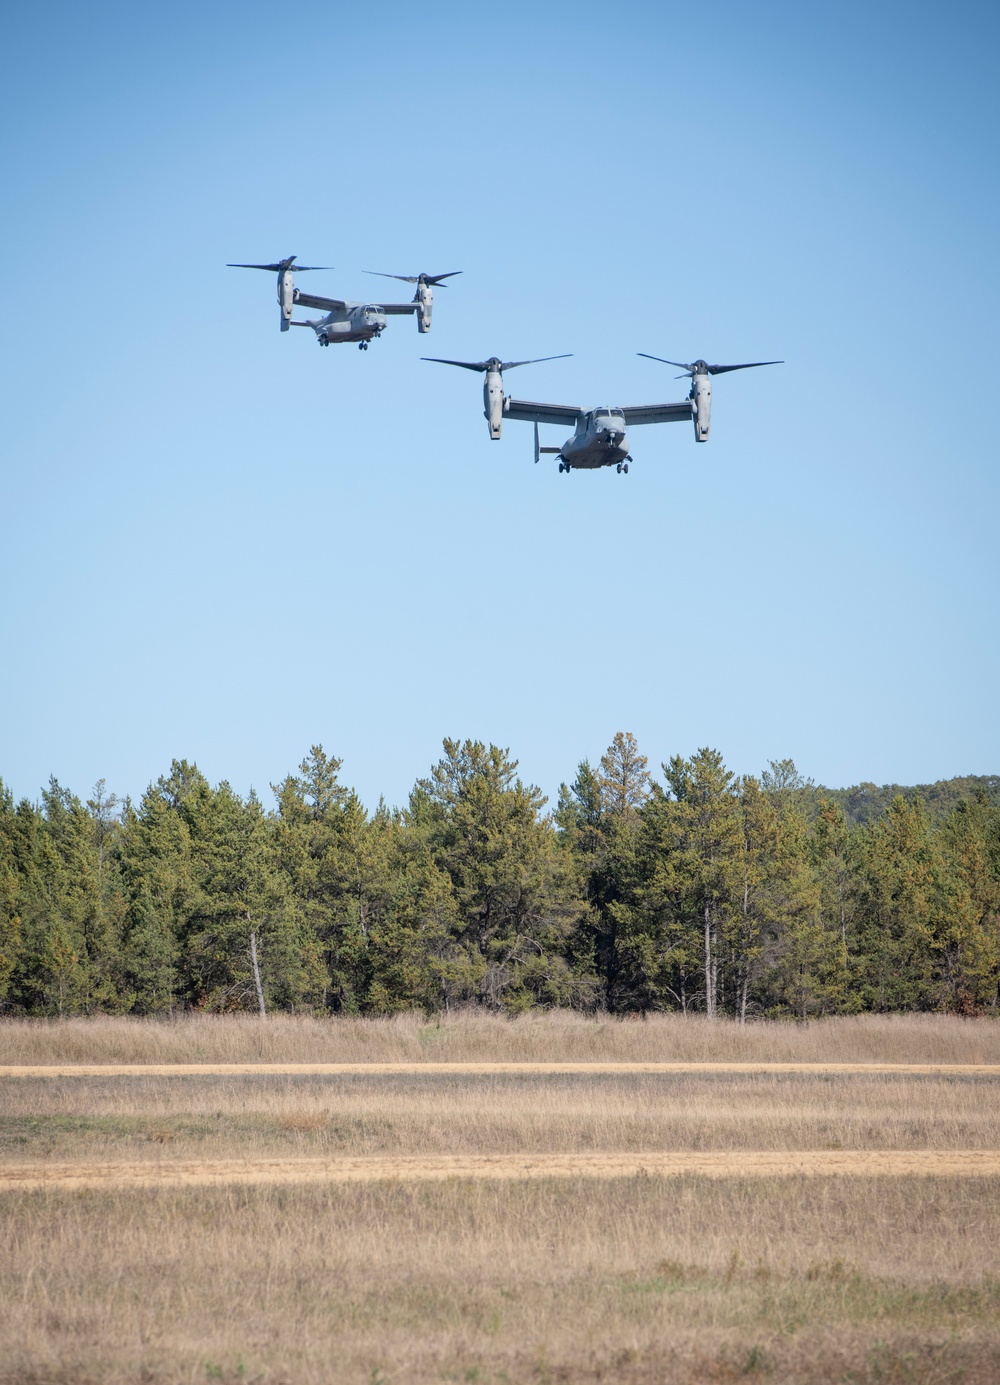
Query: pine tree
(624,777)
(832,860)
(243,946)
(707,858)
(318,837)
(10,891)
(483,826)
(969,937)
(761,909)
(900,880)
(158,875)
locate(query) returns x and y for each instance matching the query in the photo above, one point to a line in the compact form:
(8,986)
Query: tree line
(707,892)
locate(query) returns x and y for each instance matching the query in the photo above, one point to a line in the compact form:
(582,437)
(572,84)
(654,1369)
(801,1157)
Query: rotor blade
(466,365)
(682,365)
(721,369)
(416,278)
(509,365)
(284,264)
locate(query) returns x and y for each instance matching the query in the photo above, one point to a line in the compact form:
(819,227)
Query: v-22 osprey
(346,321)
(599,435)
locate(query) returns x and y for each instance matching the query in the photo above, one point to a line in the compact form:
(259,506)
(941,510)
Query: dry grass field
(473,1037)
(542,1275)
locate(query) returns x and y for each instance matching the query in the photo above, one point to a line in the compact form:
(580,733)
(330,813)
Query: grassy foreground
(622,1281)
(554,1036)
(632,1280)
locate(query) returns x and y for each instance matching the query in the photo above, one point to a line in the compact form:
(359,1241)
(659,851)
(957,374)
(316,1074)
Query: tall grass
(153,1118)
(561,1036)
(630,1281)
(625,1281)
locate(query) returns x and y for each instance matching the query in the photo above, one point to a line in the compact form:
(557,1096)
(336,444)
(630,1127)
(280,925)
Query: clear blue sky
(226,544)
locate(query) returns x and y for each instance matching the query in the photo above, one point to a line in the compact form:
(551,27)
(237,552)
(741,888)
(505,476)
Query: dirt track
(736,1164)
(479,1069)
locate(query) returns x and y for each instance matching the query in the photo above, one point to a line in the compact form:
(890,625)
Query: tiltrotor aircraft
(347,321)
(599,437)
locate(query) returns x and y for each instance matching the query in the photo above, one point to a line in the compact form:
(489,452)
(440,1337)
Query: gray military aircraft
(599,434)
(346,321)
(701,386)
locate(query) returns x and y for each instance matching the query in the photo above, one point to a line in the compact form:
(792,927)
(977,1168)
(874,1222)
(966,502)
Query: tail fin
(556,451)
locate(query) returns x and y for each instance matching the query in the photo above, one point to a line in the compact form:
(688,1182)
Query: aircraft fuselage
(360,324)
(599,440)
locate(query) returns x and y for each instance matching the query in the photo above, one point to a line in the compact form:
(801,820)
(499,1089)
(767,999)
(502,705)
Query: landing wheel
(625,468)
(561,467)
(619,468)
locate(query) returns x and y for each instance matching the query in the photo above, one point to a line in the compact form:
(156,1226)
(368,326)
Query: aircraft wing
(398,309)
(314,300)
(541,413)
(658,413)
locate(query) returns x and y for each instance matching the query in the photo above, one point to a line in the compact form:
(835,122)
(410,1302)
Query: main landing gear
(623,466)
(564,466)
(362,346)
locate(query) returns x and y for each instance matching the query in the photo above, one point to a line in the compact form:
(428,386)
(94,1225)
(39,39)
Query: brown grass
(437,1168)
(628,1280)
(103,1118)
(625,1280)
(476,1037)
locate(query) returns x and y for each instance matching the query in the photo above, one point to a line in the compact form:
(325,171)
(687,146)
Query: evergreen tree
(319,841)
(899,912)
(243,948)
(624,777)
(158,874)
(707,859)
(10,891)
(514,906)
(969,938)
(736,896)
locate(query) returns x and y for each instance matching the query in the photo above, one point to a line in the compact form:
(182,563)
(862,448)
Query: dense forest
(708,892)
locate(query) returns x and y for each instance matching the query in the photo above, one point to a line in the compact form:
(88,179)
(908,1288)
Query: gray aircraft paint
(600,435)
(493,400)
(701,386)
(346,321)
(424,296)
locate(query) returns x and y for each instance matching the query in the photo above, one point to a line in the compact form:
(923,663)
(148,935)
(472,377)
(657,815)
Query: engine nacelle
(286,297)
(701,398)
(493,402)
(425,297)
